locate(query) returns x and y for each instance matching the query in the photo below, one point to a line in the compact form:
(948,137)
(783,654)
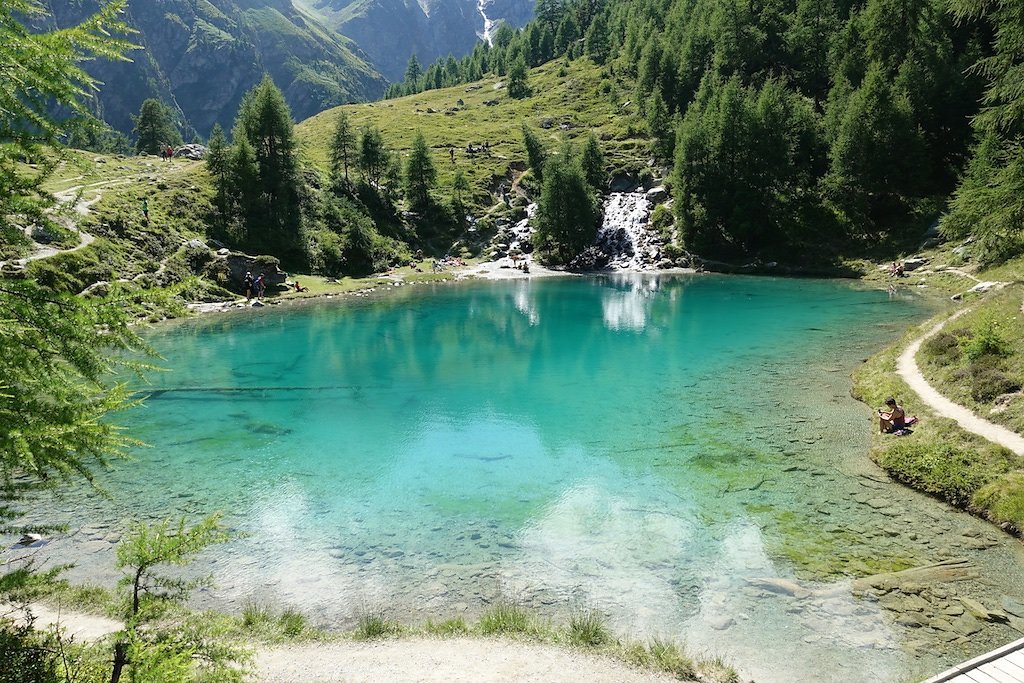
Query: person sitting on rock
(893,419)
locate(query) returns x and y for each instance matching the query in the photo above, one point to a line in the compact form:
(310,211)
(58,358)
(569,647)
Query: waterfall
(489,24)
(624,234)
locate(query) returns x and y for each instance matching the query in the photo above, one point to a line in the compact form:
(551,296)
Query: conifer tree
(420,173)
(265,122)
(566,213)
(989,203)
(343,145)
(155,128)
(374,157)
(596,43)
(592,162)
(517,85)
(535,154)
(413,71)
(218,163)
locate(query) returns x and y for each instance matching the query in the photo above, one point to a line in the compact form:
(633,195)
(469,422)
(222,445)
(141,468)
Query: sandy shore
(425,660)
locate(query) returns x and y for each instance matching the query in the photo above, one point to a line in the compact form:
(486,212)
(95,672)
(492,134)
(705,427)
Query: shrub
(943,348)
(953,473)
(505,618)
(986,340)
(988,383)
(1003,500)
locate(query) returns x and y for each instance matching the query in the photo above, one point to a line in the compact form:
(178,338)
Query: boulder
(658,194)
(194,152)
(238,264)
(914,263)
(983,287)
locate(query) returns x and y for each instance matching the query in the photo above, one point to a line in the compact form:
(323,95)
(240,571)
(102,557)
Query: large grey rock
(239,264)
(914,263)
(195,152)
(658,194)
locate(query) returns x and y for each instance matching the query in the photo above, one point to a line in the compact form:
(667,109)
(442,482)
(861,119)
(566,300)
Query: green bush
(953,473)
(373,624)
(943,348)
(1003,500)
(988,383)
(670,658)
(986,339)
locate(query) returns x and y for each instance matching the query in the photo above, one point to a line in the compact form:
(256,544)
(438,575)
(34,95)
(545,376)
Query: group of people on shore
(896,269)
(254,287)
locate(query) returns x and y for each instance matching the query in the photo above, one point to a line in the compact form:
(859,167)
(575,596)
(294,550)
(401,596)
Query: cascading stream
(624,236)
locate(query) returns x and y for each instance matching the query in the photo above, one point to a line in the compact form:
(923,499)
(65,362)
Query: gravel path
(423,660)
(906,367)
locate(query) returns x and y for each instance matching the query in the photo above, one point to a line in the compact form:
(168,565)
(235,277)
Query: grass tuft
(505,618)
(670,658)
(256,615)
(587,628)
(373,624)
(449,627)
(293,623)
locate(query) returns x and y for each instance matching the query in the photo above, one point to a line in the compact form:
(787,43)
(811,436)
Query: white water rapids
(624,233)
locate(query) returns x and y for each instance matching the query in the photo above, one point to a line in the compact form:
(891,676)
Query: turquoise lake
(646,446)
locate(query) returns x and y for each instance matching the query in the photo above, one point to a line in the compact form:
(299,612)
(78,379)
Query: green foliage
(989,203)
(292,623)
(567,214)
(420,174)
(949,471)
(744,160)
(455,626)
(151,654)
(342,151)
(518,88)
(59,377)
(155,128)
(536,155)
(271,205)
(943,348)
(505,618)
(374,156)
(592,163)
(670,658)
(984,340)
(37,71)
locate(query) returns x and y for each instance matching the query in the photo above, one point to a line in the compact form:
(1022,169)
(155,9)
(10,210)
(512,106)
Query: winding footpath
(906,368)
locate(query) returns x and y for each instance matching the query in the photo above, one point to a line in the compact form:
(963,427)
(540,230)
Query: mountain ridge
(202,57)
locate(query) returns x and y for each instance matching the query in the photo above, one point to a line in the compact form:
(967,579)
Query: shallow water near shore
(647,446)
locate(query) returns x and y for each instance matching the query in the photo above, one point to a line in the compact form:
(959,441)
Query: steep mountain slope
(389,31)
(201,56)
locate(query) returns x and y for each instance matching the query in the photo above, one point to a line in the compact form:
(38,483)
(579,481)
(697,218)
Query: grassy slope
(939,457)
(571,94)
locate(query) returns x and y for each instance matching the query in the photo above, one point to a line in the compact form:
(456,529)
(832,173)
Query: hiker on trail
(145,209)
(452,152)
(170,152)
(260,286)
(247,285)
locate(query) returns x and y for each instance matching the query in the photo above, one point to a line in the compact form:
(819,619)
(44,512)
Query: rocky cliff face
(389,31)
(202,57)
